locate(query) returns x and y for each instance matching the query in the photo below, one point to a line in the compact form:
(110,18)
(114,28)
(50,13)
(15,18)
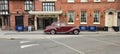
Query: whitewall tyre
(52,32)
(76,32)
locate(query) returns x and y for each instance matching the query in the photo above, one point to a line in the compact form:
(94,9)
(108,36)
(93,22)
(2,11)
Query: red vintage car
(61,28)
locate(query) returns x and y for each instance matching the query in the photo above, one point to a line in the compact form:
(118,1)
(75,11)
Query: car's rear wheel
(76,32)
(52,32)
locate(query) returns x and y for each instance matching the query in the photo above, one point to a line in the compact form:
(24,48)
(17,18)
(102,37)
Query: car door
(58,27)
(65,28)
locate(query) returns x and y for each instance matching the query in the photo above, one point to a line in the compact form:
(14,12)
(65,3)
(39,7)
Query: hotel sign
(47,0)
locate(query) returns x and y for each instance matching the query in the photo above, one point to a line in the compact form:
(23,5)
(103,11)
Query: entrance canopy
(45,12)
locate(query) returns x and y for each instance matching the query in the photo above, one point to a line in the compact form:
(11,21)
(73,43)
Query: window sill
(83,23)
(111,1)
(96,23)
(84,1)
(70,2)
(70,23)
(97,1)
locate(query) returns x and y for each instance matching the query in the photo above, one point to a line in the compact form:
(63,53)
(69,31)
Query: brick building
(40,13)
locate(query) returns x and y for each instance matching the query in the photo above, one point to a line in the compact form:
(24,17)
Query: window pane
(6,7)
(31,7)
(6,2)
(45,8)
(43,3)
(1,7)
(30,2)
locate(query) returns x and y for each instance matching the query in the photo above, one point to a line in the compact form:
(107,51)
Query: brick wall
(17,9)
(77,6)
(90,7)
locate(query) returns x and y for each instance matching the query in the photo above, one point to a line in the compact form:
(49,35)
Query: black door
(47,22)
(118,18)
(0,22)
(39,23)
(19,21)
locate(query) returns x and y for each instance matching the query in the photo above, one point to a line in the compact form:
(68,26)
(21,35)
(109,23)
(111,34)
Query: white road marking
(107,42)
(25,46)
(24,42)
(67,46)
(62,36)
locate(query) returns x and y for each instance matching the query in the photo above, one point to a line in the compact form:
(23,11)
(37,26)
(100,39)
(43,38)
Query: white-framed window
(83,17)
(4,7)
(84,1)
(70,17)
(28,5)
(97,0)
(111,0)
(96,17)
(70,1)
(48,6)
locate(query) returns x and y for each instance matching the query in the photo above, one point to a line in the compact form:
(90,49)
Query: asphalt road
(88,44)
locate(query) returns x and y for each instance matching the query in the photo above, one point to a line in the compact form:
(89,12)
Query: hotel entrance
(45,18)
(43,22)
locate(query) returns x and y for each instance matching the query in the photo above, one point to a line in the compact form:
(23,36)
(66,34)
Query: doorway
(118,19)
(19,21)
(39,23)
(42,23)
(110,19)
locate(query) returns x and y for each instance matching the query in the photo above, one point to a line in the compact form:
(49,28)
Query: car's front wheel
(76,32)
(52,32)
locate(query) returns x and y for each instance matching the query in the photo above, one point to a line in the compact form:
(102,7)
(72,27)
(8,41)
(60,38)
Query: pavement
(41,35)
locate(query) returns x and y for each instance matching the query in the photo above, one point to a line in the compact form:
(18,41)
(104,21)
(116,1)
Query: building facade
(41,13)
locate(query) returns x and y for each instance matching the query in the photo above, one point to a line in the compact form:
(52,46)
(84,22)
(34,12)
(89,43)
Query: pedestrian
(29,28)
